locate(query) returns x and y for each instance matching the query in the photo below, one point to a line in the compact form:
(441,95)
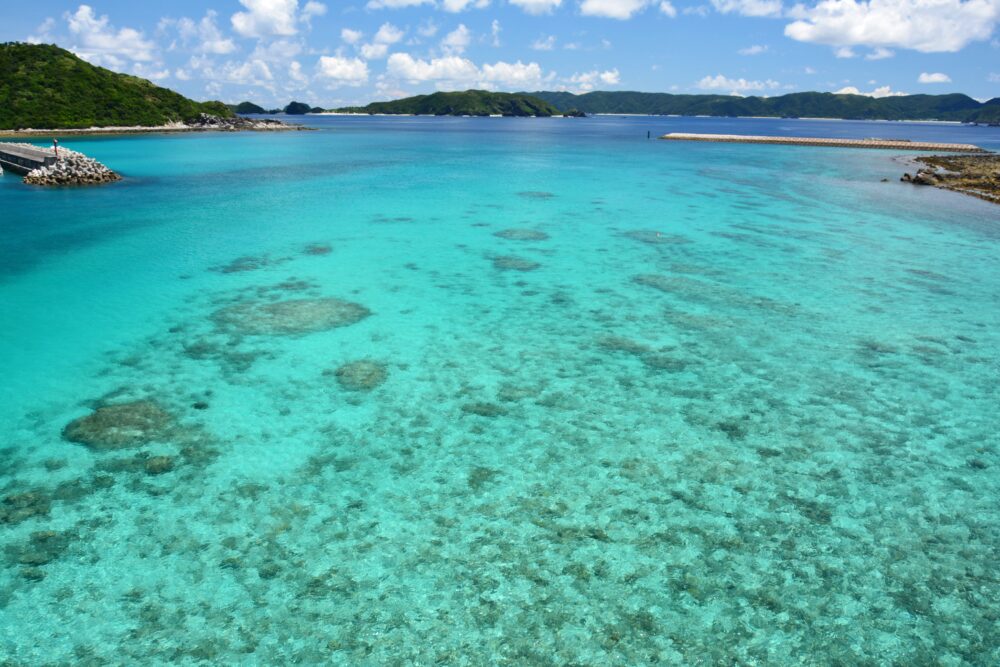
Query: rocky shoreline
(976,175)
(203,123)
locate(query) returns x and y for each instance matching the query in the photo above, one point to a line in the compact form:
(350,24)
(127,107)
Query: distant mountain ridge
(954,107)
(467,103)
(43,86)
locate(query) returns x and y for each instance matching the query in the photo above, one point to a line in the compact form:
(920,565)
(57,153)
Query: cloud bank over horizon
(331,53)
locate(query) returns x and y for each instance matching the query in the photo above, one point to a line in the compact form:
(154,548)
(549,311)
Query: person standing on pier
(55,147)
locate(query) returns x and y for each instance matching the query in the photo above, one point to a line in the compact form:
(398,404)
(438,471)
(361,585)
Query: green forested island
(247,107)
(43,86)
(468,103)
(954,107)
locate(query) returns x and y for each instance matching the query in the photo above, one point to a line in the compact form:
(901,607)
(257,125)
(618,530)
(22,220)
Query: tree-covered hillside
(815,105)
(43,86)
(247,107)
(468,103)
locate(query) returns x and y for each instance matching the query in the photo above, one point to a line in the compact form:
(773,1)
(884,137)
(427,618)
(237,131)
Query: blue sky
(335,52)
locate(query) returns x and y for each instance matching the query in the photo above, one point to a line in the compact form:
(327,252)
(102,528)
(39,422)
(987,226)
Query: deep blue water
(621,401)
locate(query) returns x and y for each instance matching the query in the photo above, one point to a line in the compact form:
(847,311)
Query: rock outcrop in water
(976,175)
(72,168)
(206,121)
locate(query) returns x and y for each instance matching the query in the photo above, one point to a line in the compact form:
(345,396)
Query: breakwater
(23,158)
(41,166)
(892,144)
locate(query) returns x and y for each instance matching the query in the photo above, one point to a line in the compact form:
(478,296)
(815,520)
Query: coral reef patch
(521,234)
(514,263)
(120,426)
(295,317)
(363,375)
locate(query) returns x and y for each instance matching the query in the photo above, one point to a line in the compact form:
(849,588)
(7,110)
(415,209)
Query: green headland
(44,86)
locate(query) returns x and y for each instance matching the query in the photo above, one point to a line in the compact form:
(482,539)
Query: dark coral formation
(484,409)
(295,317)
(242,265)
(521,234)
(514,263)
(535,194)
(318,249)
(19,507)
(120,426)
(363,375)
(654,237)
(622,344)
(42,548)
(158,465)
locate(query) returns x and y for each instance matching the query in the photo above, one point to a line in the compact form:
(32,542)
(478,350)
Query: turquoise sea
(417,391)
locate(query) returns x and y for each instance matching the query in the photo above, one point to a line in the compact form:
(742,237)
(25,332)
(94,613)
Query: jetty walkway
(21,159)
(893,144)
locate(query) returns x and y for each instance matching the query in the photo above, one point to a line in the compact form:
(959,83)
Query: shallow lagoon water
(622,401)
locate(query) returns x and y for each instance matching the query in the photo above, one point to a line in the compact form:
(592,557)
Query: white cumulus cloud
(396,4)
(342,71)
(455,72)
(450,69)
(202,36)
(456,41)
(929,26)
(736,86)
(264,18)
(544,43)
(880,53)
(387,35)
(536,6)
(462,5)
(754,50)
(933,77)
(100,43)
(612,9)
(583,82)
(748,7)
(881,91)
(512,75)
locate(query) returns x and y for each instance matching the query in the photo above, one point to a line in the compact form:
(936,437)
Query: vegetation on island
(954,107)
(467,103)
(45,87)
(247,107)
(300,108)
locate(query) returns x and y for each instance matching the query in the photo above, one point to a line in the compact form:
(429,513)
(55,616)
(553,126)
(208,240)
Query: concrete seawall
(890,144)
(22,159)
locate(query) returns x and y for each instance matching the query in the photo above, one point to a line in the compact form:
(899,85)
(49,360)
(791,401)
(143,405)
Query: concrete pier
(22,160)
(891,144)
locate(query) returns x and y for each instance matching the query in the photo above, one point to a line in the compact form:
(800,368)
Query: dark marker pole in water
(647,134)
